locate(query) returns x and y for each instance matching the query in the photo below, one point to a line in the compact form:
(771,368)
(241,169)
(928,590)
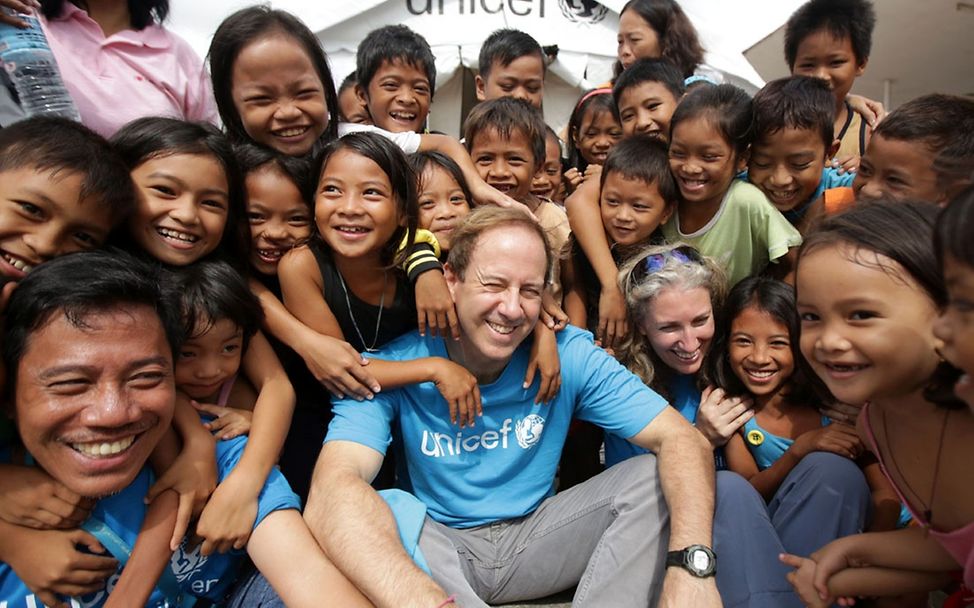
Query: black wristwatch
(698,560)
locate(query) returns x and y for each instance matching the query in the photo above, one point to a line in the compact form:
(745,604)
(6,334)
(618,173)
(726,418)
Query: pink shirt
(129,74)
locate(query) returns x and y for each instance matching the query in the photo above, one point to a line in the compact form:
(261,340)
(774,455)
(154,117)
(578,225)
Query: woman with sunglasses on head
(673,295)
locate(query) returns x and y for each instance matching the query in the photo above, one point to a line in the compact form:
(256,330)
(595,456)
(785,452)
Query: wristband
(452,600)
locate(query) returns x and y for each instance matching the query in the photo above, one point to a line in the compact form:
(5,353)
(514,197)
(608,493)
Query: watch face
(699,560)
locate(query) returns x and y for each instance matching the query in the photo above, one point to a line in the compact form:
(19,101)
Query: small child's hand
(460,390)
(339,367)
(33,499)
(837,438)
(720,416)
(837,411)
(228,518)
(573,179)
(872,111)
(544,360)
(613,317)
(193,476)
(230,422)
(552,314)
(802,580)
(592,171)
(846,164)
(51,564)
(434,306)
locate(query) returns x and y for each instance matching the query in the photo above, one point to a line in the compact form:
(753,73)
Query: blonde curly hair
(642,277)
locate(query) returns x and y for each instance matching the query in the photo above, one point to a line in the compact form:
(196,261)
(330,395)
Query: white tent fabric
(583,30)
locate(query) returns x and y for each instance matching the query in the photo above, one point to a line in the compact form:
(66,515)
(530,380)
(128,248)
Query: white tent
(583,30)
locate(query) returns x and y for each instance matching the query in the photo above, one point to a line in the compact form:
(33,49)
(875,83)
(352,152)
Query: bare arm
(586,222)
(886,505)
(686,472)
(150,555)
(357,530)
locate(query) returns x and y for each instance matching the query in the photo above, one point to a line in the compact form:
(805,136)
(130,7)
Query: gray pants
(607,535)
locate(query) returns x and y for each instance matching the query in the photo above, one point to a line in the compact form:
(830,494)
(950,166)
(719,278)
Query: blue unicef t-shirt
(207,577)
(503,467)
(686,400)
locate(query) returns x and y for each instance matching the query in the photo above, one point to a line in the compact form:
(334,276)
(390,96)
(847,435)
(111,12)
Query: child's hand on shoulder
(229,422)
(193,476)
(719,416)
(846,164)
(33,499)
(228,519)
(52,563)
(434,306)
(544,360)
(460,390)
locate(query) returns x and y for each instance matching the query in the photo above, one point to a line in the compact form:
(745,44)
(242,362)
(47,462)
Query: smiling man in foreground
(493,531)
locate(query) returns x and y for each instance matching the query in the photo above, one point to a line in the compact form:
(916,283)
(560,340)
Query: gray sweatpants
(607,535)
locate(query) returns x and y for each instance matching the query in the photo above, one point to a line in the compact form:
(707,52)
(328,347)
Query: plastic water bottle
(33,70)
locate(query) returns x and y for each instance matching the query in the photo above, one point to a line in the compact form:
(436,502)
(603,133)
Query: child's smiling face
(43,216)
(787,166)
(955,326)
(279,218)
(867,326)
(398,97)
(822,55)
(206,361)
(703,163)
(278,95)
(759,351)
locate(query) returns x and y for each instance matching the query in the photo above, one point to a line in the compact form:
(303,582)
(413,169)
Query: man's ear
(452,280)
(481,85)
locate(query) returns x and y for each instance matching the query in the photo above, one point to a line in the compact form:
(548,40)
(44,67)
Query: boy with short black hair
(396,74)
(646,96)
(924,150)
(548,182)
(506,141)
(511,64)
(62,189)
(831,40)
(792,141)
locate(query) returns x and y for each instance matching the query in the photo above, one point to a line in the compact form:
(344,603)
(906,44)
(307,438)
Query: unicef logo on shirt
(185,564)
(528,430)
(582,11)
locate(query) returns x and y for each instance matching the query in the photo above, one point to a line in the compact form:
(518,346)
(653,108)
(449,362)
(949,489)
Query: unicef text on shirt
(578,11)
(527,432)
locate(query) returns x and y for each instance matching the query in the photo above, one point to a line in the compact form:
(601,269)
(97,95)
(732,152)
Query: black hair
(904,233)
(504,46)
(945,124)
(253,158)
(80,285)
(142,13)
(348,82)
(678,40)
(798,102)
(63,146)
(505,116)
(777,299)
(393,163)
(727,107)
(389,44)
(597,102)
(644,158)
(955,227)
(852,19)
(419,161)
(210,291)
(649,70)
(245,27)
(153,137)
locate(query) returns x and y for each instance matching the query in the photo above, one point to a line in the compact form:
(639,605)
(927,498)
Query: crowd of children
(793,276)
